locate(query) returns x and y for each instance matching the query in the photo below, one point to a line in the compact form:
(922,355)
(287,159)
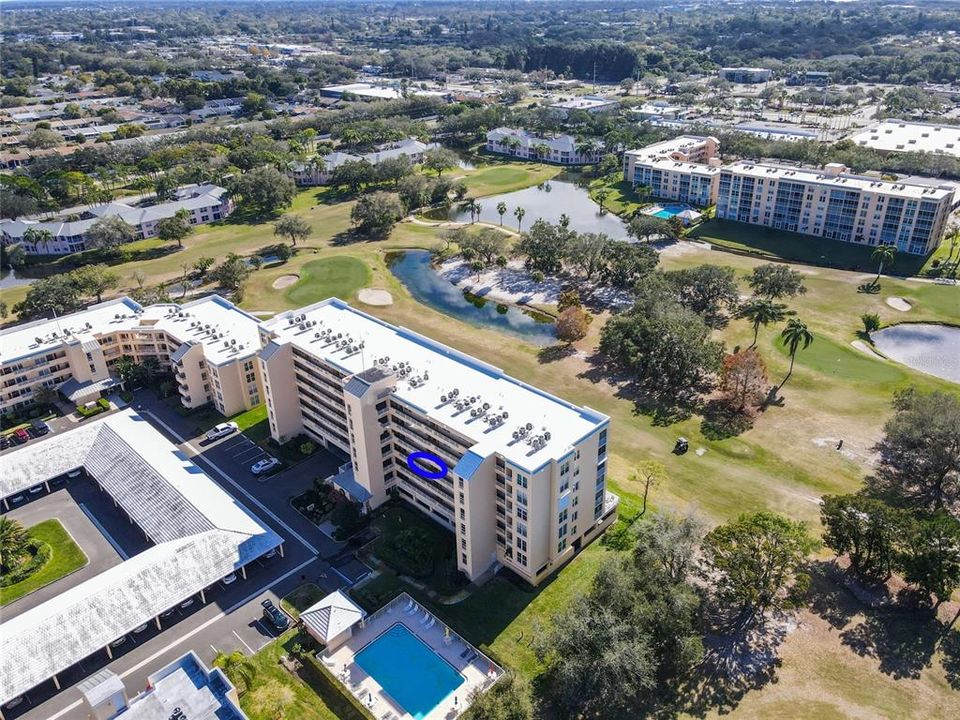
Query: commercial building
(585,103)
(836,204)
(809,77)
(746,75)
(209,344)
(558,149)
(202,203)
(198,534)
(890,136)
(517,474)
(685,168)
(186,684)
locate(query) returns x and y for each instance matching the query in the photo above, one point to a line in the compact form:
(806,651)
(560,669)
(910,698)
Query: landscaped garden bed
(93,408)
(315,504)
(46,553)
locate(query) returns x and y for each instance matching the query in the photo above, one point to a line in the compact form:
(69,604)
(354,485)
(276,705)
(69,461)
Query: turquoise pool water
(410,672)
(668,211)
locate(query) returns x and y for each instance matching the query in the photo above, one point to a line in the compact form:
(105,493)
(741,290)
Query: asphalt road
(231,618)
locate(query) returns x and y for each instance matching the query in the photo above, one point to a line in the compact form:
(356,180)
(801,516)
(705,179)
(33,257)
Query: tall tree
(884,255)
(866,529)
(292,227)
(439,160)
(14,541)
(501,210)
(518,213)
(95,279)
(706,289)
(795,336)
(919,465)
(544,246)
(376,213)
(510,698)
(175,228)
(263,190)
(755,564)
(762,311)
(932,555)
(775,281)
(110,231)
(743,380)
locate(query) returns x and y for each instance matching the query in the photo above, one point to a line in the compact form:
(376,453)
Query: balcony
(610,502)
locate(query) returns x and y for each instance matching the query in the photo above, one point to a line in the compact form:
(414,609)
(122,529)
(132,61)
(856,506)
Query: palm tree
(14,540)
(477,266)
(472,206)
(518,213)
(884,254)
(602,196)
(762,311)
(794,335)
(237,667)
(501,211)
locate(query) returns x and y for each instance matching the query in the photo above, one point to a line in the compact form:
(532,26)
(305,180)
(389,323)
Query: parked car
(40,427)
(187,603)
(270,553)
(16,499)
(264,466)
(36,489)
(4,442)
(119,641)
(140,628)
(75,473)
(22,435)
(11,704)
(229,579)
(273,615)
(221,430)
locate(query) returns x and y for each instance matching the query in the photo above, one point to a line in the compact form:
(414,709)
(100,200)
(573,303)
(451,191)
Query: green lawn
(502,176)
(65,558)
(339,276)
(300,598)
(621,200)
(309,696)
(785,245)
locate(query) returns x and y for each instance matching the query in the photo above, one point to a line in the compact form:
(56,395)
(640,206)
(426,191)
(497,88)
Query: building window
(521,480)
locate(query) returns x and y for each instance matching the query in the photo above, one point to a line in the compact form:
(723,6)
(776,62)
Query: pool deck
(478,672)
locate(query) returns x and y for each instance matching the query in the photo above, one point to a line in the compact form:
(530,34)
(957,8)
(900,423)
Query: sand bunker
(898,303)
(285,281)
(375,296)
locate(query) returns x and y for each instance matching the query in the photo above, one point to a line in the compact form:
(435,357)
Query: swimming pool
(409,671)
(668,211)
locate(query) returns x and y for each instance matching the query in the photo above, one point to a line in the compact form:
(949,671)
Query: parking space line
(243,641)
(237,485)
(103,531)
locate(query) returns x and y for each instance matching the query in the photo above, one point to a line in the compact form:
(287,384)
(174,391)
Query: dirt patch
(898,303)
(285,281)
(375,296)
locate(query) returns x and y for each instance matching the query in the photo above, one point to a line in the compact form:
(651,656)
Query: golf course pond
(413,269)
(928,347)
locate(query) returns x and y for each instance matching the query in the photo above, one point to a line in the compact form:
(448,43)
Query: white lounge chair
(413,609)
(433,621)
(408,605)
(426,618)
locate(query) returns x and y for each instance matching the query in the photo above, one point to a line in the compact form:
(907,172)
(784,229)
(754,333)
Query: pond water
(10,280)
(928,347)
(548,201)
(412,268)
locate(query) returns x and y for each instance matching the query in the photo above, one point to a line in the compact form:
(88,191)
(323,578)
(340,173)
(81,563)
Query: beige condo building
(685,168)
(209,345)
(520,474)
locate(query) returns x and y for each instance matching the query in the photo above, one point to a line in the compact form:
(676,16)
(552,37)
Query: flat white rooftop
(201,534)
(201,321)
(664,148)
(435,371)
(585,102)
(842,180)
(908,136)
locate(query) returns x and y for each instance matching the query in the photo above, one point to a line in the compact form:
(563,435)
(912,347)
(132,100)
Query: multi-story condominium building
(685,168)
(907,136)
(203,204)
(745,74)
(518,475)
(320,171)
(558,149)
(833,203)
(209,344)
(587,103)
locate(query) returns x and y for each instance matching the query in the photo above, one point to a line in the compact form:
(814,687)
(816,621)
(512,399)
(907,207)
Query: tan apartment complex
(517,474)
(210,345)
(836,204)
(685,169)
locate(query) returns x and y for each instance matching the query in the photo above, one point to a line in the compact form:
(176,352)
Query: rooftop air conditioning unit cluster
(450,396)
(522,431)
(480,411)
(538,441)
(385,360)
(418,380)
(401,369)
(464,403)
(498,419)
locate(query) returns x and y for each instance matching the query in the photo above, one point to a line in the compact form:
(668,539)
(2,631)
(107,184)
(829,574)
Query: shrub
(308,448)
(40,556)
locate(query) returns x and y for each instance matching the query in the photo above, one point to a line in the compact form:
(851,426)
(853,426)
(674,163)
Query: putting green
(339,276)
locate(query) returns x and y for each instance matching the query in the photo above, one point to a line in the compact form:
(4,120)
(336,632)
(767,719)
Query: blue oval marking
(422,471)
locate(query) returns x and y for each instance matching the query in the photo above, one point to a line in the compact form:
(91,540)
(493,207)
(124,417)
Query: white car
(263,466)
(140,628)
(229,579)
(221,430)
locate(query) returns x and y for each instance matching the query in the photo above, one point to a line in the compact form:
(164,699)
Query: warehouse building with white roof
(518,475)
(199,534)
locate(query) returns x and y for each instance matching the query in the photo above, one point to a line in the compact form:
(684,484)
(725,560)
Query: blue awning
(344,480)
(468,464)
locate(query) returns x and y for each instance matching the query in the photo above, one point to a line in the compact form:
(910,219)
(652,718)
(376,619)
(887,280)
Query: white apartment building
(685,168)
(561,149)
(835,204)
(524,483)
(320,171)
(908,136)
(203,204)
(210,345)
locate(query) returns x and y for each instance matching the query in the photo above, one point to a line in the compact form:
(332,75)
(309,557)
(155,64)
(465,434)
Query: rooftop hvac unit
(546,435)
(226,343)
(233,342)
(302,326)
(443,398)
(339,335)
(316,335)
(486,406)
(505,414)
(39,340)
(426,376)
(528,427)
